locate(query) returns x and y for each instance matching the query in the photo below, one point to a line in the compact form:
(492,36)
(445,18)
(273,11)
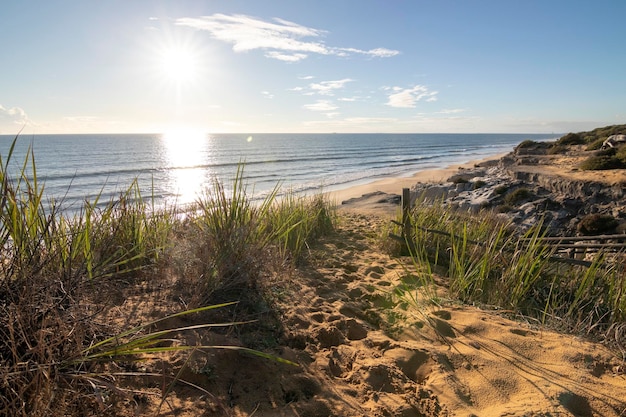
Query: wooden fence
(574,247)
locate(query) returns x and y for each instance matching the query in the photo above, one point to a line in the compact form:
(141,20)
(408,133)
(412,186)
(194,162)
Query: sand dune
(361,352)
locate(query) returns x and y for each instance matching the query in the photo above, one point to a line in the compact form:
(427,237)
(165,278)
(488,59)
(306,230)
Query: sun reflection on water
(186,153)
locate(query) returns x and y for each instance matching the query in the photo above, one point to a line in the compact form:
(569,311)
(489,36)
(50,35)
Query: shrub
(479,184)
(621,155)
(557,148)
(501,189)
(517,196)
(595,144)
(602,162)
(597,224)
(606,152)
(571,139)
(504,208)
(526,144)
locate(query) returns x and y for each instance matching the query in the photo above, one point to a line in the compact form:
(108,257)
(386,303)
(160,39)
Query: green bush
(557,148)
(570,139)
(504,208)
(621,155)
(501,189)
(526,144)
(595,144)
(602,162)
(479,184)
(601,133)
(517,196)
(597,224)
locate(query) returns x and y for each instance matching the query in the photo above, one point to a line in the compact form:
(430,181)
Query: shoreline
(394,185)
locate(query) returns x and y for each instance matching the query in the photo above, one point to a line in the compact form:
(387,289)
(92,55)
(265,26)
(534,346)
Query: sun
(178,64)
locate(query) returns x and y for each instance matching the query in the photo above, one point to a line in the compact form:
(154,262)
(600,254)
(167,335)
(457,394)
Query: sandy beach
(362,196)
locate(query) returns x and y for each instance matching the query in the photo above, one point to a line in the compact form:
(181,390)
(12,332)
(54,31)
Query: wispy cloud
(267,94)
(281,39)
(327,88)
(450,111)
(13,114)
(321,105)
(409,97)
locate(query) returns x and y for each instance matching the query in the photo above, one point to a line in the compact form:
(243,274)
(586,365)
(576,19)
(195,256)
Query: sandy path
(381,359)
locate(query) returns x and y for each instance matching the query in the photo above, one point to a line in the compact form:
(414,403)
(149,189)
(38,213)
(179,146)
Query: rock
(559,201)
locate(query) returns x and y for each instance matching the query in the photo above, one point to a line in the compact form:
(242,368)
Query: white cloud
(376,53)
(285,57)
(382,52)
(280,38)
(14,114)
(327,88)
(267,94)
(321,105)
(407,98)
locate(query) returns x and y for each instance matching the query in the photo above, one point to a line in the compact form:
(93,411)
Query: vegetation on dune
(59,273)
(612,158)
(486,263)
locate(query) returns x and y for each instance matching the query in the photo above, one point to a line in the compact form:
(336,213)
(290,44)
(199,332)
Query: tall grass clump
(486,262)
(61,272)
(52,266)
(296,221)
(239,235)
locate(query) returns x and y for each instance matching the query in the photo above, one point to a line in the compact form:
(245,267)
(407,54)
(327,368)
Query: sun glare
(179,64)
(186,153)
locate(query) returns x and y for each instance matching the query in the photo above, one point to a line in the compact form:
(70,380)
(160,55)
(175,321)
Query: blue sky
(312,66)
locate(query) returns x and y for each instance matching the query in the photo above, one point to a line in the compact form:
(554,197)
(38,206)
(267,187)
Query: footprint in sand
(375,271)
(417,365)
(440,325)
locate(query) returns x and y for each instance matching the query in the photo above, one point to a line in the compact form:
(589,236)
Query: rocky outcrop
(590,190)
(520,189)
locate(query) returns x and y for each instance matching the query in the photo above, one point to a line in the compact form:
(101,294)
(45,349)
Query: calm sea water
(174,169)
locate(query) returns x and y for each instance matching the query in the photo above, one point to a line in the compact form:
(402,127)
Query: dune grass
(487,263)
(57,270)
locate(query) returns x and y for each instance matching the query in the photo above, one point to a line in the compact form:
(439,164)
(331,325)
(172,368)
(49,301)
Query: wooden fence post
(407,238)
(407,229)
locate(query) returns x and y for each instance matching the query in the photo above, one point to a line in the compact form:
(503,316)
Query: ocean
(175,169)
